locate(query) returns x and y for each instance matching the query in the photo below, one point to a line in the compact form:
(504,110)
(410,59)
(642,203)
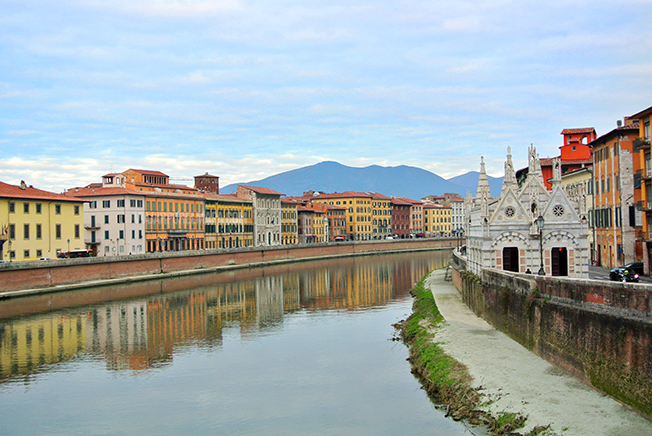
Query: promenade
(518,381)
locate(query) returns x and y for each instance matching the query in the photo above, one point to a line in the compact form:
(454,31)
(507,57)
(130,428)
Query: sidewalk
(521,382)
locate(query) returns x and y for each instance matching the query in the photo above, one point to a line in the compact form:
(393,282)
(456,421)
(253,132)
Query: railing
(645,173)
(644,205)
(91,242)
(91,226)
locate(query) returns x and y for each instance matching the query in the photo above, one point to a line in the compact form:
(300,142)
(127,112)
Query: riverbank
(512,381)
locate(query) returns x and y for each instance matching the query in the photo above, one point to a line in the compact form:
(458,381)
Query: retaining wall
(598,331)
(44,276)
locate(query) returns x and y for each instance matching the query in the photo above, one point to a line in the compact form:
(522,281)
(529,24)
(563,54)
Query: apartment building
(644,177)
(382,216)
(35,223)
(114,223)
(267,212)
(228,222)
(617,191)
(359,212)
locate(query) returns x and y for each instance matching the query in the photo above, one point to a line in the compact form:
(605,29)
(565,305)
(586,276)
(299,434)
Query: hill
(400,181)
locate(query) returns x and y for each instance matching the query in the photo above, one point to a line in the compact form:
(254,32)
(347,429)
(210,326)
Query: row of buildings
(592,204)
(140,211)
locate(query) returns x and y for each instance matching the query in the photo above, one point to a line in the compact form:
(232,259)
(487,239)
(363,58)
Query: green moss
(446,380)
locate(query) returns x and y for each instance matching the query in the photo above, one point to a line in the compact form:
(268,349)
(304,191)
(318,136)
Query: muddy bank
(510,381)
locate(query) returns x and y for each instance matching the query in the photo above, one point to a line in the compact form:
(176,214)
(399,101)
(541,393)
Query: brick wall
(45,275)
(600,332)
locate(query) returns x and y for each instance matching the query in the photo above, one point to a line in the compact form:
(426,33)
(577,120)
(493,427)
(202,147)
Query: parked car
(623,274)
(637,267)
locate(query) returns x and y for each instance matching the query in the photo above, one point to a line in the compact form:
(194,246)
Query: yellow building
(382,212)
(229,222)
(289,230)
(36,223)
(437,219)
(359,212)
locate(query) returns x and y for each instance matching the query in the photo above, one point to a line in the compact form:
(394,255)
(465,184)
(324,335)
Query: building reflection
(142,334)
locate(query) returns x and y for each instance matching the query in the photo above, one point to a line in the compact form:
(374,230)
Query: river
(302,349)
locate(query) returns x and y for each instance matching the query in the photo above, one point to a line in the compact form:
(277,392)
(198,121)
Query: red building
(575,153)
(401,217)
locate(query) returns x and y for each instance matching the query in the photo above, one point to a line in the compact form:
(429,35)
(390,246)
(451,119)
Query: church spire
(483,192)
(509,180)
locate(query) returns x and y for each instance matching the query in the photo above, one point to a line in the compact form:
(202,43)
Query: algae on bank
(447,380)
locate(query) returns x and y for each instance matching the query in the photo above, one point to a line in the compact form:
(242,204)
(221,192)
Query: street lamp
(540,222)
(68,244)
(10,256)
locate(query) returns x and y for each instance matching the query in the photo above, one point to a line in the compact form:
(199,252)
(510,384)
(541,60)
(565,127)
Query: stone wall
(21,278)
(600,332)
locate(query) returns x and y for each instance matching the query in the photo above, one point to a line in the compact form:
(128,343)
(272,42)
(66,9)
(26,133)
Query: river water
(294,349)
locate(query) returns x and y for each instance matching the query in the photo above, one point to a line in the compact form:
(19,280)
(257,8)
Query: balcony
(91,226)
(91,242)
(645,173)
(640,143)
(645,206)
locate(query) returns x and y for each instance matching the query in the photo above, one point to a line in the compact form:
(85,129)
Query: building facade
(617,190)
(114,220)
(36,224)
(267,211)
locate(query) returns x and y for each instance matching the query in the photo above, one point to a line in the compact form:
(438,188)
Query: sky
(247,89)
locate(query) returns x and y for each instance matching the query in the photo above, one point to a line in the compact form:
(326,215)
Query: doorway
(510,259)
(559,258)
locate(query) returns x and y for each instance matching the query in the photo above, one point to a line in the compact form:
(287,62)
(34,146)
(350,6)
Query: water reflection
(169,315)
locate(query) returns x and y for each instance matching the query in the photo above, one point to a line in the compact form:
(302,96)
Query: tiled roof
(148,172)
(98,192)
(345,194)
(31,193)
(578,131)
(265,191)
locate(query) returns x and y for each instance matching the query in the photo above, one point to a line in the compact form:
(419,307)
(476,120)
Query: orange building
(644,177)
(617,190)
(575,153)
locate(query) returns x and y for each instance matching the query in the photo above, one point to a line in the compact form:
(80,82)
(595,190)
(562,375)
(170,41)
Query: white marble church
(528,229)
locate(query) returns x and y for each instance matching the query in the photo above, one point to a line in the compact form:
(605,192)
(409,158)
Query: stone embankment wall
(22,278)
(600,332)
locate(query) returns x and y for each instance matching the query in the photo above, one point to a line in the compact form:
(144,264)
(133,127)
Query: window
(76,231)
(39,253)
(26,231)
(57,209)
(121,203)
(106,219)
(122,234)
(12,231)
(25,207)
(25,254)
(106,203)
(12,207)
(38,208)
(106,234)
(121,219)
(92,204)
(76,209)
(39,233)
(57,231)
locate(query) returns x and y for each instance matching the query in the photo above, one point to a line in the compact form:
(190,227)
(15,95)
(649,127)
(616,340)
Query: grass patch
(446,380)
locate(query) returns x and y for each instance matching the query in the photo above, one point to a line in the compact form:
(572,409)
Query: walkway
(520,381)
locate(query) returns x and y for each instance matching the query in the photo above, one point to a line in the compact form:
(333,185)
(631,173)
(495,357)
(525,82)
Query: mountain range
(400,181)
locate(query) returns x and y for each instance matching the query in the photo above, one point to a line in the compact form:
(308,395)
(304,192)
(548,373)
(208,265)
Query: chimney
(619,123)
(23,185)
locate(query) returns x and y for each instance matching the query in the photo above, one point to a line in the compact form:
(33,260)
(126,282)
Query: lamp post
(540,222)
(68,244)
(10,256)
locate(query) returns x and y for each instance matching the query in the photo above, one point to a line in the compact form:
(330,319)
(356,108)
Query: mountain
(401,181)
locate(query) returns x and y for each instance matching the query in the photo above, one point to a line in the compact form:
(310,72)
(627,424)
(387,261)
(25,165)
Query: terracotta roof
(98,192)
(345,194)
(578,131)
(149,172)
(167,186)
(259,190)
(403,201)
(549,161)
(32,193)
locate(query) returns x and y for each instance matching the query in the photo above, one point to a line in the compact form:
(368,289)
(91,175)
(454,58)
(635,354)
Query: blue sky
(247,89)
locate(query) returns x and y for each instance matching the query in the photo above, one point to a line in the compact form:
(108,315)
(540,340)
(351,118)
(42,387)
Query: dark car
(637,267)
(623,274)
